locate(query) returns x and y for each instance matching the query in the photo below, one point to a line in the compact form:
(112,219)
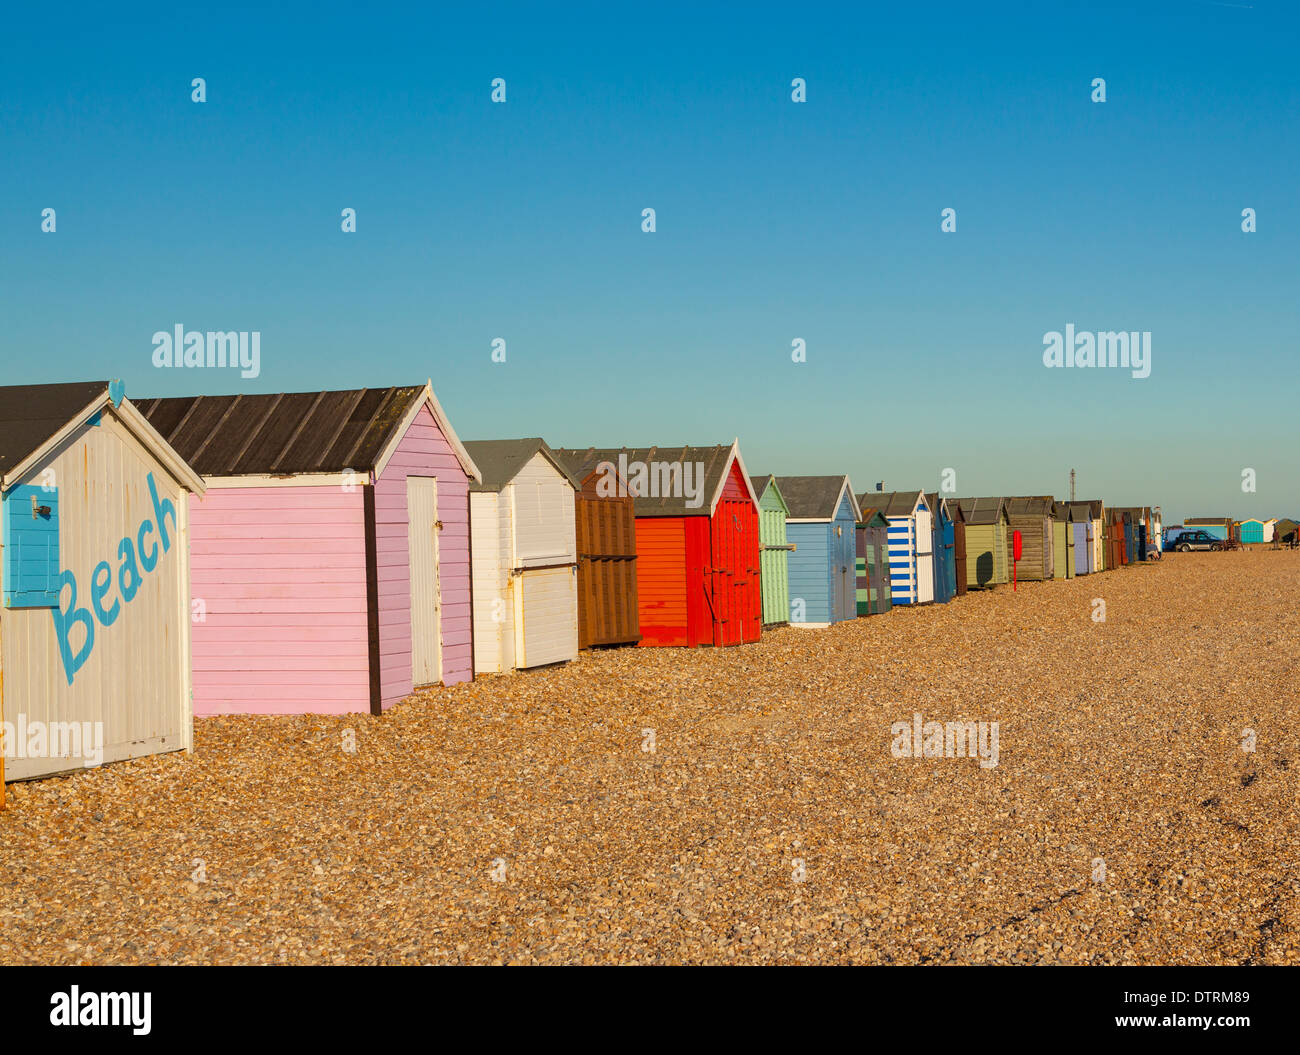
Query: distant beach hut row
(330,552)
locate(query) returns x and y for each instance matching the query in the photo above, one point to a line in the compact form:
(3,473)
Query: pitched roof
(1223,521)
(1029,507)
(953,508)
(31,414)
(294,432)
(499,461)
(676,466)
(871,515)
(1083,511)
(1063,511)
(982,510)
(815,497)
(891,503)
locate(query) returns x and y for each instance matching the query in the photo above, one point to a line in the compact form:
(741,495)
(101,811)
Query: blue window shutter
(31,547)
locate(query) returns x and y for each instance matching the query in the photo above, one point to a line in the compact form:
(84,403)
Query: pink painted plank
(423,451)
(282,572)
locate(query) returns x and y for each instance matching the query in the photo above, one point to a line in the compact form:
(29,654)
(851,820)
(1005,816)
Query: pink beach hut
(329,558)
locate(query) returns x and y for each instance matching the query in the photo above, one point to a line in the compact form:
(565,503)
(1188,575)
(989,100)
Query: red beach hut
(697,566)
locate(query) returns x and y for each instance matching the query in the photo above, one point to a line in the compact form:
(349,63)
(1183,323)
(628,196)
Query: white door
(924,557)
(426,598)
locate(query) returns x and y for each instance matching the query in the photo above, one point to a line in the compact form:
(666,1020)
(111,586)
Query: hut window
(31,547)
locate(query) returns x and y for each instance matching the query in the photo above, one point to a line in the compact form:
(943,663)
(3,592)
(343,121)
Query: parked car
(1186,541)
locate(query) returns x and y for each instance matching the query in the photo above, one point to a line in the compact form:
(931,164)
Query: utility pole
(1071,485)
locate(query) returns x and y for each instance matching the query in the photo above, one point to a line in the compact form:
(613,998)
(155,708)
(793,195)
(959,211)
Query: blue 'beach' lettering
(129,580)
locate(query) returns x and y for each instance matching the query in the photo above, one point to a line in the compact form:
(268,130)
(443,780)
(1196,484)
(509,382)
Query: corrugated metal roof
(982,510)
(31,414)
(280,435)
(811,497)
(582,461)
(500,461)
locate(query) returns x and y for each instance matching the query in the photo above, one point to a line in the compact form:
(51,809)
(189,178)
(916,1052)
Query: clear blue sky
(776,221)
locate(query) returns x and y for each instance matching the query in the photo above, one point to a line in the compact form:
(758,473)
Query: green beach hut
(774,549)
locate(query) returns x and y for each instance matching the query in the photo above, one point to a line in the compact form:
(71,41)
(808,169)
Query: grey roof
(1084,511)
(294,432)
(31,414)
(890,503)
(1063,511)
(761,481)
(1209,520)
(982,510)
(1029,507)
(933,499)
(869,514)
(811,497)
(499,461)
(581,461)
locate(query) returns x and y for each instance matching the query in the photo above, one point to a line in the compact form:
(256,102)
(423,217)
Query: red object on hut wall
(1017,548)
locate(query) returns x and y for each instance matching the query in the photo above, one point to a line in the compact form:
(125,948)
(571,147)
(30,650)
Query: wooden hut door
(426,599)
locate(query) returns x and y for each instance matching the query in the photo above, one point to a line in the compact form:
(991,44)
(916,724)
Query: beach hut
(95,625)
(1286,532)
(1032,517)
(697,543)
(911,543)
(329,559)
(1097,510)
(605,535)
(1063,559)
(959,545)
(1270,526)
(823,563)
(872,563)
(988,535)
(945,514)
(1082,544)
(1251,530)
(1117,532)
(524,547)
(775,544)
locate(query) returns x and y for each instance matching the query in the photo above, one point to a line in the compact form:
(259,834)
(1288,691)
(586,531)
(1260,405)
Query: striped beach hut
(1032,517)
(823,563)
(525,553)
(987,535)
(775,558)
(872,563)
(95,625)
(911,543)
(329,559)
